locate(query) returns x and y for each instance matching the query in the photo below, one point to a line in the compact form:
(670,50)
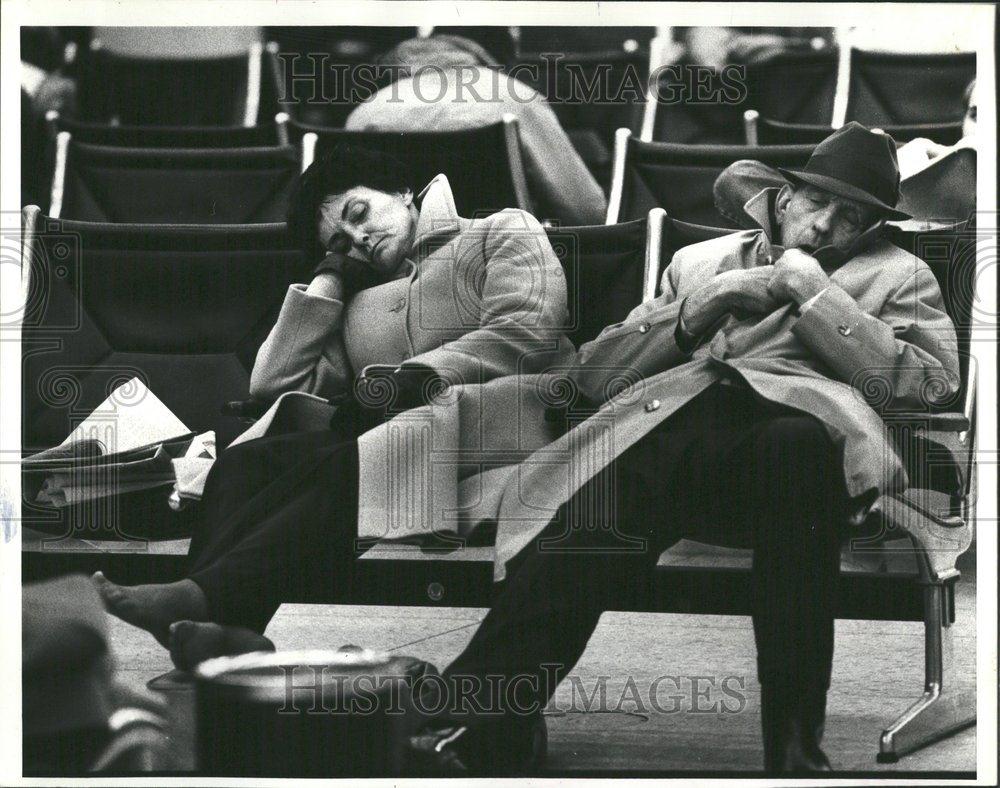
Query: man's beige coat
(877,336)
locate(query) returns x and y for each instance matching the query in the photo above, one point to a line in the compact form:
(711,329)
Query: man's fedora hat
(858,164)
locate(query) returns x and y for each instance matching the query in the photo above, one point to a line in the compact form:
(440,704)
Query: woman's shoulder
(510,220)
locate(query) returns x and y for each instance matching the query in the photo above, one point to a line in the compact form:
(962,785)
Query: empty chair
(606,267)
(762,130)
(680,178)
(268,133)
(100,183)
(699,105)
(891,88)
(593,93)
(483,165)
(794,87)
(539,38)
(214,91)
(182,308)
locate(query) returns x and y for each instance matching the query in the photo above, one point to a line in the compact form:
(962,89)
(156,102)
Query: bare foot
(192,642)
(153,607)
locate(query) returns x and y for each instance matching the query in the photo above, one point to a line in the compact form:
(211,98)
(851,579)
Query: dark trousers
(726,468)
(279,523)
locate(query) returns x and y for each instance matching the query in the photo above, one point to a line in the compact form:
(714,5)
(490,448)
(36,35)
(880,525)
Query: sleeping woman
(406,297)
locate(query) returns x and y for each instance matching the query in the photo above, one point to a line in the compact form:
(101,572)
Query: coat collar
(438,214)
(760,208)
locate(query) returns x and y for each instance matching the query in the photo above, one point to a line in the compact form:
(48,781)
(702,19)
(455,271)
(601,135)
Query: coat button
(643,328)
(653,404)
(844,329)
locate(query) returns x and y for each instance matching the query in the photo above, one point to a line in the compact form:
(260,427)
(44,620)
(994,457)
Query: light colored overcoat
(878,335)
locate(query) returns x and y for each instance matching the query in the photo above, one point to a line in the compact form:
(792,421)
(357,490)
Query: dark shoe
(793,729)
(490,749)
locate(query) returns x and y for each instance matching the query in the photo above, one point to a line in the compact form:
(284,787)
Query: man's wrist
(807,288)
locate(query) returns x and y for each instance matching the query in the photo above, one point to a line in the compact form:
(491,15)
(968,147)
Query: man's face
(810,218)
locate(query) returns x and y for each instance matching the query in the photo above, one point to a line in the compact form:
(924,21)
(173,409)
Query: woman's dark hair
(342,169)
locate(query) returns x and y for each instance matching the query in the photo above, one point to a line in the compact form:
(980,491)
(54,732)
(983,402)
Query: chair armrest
(246,408)
(938,422)
(939,540)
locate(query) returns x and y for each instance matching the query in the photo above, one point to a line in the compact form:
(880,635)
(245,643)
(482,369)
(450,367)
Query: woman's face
(373,227)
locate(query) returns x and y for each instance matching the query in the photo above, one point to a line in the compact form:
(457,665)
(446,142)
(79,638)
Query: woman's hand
(352,275)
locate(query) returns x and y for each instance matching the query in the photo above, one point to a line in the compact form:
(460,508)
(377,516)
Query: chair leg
(941,710)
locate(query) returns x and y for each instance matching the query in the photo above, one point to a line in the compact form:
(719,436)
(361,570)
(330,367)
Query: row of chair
(185,309)
(158,178)
(891,90)
(240,91)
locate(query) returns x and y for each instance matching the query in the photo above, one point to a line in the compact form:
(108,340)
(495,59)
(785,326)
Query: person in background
(183,43)
(722,46)
(449,83)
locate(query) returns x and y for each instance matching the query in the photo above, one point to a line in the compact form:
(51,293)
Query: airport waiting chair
(484,165)
(100,183)
(893,88)
(680,178)
(134,91)
(268,134)
(593,89)
(606,268)
(761,130)
(532,39)
(915,535)
(184,308)
(794,86)
(592,93)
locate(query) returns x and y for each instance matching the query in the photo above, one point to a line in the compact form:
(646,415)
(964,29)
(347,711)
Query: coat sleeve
(305,349)
(563,186)
(907,354)
(517,297)
(642,345)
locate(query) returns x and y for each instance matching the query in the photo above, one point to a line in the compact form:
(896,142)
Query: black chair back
(696,104)
(774,132)
(483,165)
(794,87)
(183,308)
(907,88)
(605,269)
(176,186)
(593,93)
(263,135)
(540,38)
(950,252)
(171,92)
(680,178)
